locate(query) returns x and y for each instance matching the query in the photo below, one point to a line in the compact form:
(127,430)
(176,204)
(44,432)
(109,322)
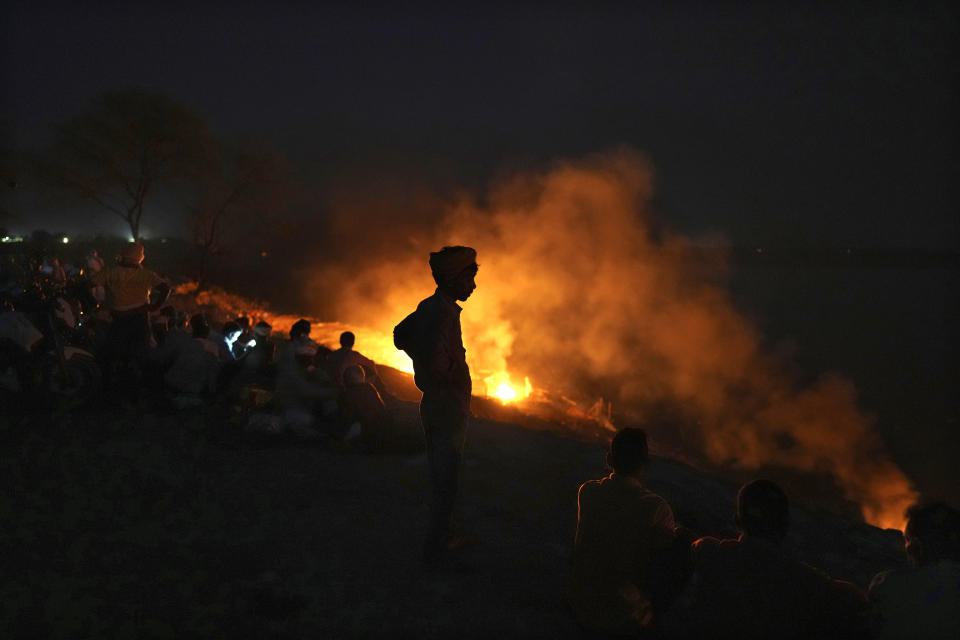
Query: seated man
(301,395)
(246,335)
(225,341)
(361,403)
(304,347)
(751,587)
(258,364)
(621,526)
(922,601)
(193,365)
(345,357)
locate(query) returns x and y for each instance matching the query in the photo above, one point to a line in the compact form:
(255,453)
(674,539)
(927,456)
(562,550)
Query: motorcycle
(43,360)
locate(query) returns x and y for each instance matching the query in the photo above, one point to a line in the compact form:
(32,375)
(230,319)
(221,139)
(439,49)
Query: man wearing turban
(441,373)
(127,286)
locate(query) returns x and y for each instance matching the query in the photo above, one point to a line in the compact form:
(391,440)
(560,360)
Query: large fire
(580,294)
(373,343)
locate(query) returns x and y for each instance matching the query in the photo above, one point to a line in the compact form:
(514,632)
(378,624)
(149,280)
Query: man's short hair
(936,526)
(628,451)
(244,322)
(763,510)
(300,328)
(229,327)
(347,339)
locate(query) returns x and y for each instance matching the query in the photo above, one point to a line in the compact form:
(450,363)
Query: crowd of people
(150,352)
(636,572)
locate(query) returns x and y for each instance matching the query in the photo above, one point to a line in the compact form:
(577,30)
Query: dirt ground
(125,524)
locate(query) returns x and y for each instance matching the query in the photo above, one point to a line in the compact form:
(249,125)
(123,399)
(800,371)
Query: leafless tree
(235,202)
(126,146)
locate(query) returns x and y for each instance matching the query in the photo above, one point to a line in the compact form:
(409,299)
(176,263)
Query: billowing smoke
(577,292)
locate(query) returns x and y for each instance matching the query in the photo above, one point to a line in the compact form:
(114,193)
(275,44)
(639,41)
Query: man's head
(932,533)
(244,323)
(131,255)
(262,329)
(763,510)
(628,452)
(199,326)
(347,339)
(454,270)
(300,328)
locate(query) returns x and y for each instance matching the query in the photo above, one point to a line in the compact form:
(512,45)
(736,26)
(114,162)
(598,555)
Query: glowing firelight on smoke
(578,284)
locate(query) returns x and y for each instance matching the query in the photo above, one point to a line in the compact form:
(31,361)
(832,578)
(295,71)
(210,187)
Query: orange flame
(576,286)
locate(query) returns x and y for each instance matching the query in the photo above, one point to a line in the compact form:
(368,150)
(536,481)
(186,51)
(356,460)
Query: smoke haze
(579,291)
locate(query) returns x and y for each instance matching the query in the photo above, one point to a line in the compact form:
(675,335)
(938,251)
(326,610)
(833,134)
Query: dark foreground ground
(133,524)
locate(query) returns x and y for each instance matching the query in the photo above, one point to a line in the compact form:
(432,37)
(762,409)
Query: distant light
(66,240)
(264,254)
(163,241)
(759,250)
(131,239)
(6,238)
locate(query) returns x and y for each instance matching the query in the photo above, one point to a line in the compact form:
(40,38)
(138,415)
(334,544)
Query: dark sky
(770,125)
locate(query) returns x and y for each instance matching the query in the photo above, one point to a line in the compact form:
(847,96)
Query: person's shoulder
(590,487)
(709,544)
(431,303)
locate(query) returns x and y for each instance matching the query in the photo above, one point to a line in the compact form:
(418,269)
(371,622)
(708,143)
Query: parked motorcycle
(43,360)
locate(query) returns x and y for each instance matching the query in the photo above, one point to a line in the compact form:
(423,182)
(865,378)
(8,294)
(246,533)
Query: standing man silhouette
(441,373)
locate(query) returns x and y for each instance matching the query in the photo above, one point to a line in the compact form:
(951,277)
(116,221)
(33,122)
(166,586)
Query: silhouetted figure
(431,336)
(621,527)
(225,340)
(360,402)
(246,335)
(300,394)
(93,263)
(751,587)
(127,286)
(192,364)
(922,601)
(345,357)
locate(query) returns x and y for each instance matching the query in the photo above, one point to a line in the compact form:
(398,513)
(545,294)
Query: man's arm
(436,362)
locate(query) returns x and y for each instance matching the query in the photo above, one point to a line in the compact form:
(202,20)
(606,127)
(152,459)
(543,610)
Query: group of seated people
(636,573)
(314,390)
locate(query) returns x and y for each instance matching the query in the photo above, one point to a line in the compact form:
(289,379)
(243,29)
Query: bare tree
(249,187)
(125,147)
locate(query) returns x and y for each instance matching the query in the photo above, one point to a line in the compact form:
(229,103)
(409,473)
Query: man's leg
(445,433)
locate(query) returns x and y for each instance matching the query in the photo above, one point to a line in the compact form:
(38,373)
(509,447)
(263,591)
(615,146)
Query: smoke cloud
(579,290)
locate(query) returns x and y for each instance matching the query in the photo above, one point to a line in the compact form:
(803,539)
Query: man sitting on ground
(345,357)
(621,526)
(193,365)
(302,397)
(751,587)
(922,601)
(360,404)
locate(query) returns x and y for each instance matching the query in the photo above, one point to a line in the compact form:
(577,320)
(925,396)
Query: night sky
(769,126)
